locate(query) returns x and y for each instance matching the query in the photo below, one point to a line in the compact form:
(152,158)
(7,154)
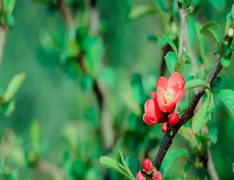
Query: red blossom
(170,92)
(153,114)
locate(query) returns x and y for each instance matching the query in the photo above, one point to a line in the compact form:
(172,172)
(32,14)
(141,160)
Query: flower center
(168,95)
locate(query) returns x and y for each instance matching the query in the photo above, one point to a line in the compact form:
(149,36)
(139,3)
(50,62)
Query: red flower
(153,114)
(170,92)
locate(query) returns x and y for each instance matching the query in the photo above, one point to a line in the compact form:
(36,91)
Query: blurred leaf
(171,157)
(131,103)
(218,4)
(196,83)
(35,134)
(213,135)
(86,82)
(187,134)
(108,162)
(171,60)
(132,163)
(202,45)
(140,11)
(9,107)
(227,96)
(203,114)
(14,85)
(213,31)
(170,42)
(8,6)
(125,165)
(225,62)
(162,4)
(185,3)
(191,22)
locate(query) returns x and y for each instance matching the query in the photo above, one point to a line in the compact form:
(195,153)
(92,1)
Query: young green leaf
(212,30)
(171,60)
(225,62)
(227,96)
(132,163)
(170,42)
(203,114)
(171,157)
(13,87)
(125,165)
(196,83)
(108,162)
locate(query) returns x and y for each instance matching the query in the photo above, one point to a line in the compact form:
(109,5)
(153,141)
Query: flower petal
(162,82)
(176,81)
(160,97)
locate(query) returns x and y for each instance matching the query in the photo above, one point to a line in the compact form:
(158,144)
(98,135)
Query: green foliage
(225,62)
(213,31)
(196,83)
(226,96)
(218,4)
(171,59)
(203,114)
(108,162)
(170,42)
(13,87)
(171,157)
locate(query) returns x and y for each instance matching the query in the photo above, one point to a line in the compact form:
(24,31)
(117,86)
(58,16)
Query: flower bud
(140,176)
(173,119)
(147,165)
(230,32)
(164,127)
(157,175)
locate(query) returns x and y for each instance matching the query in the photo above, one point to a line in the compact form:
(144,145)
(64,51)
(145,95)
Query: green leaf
(171,157)
(35,134)
(196,83)
(218,4)
(171,60)
(212,30)
(108,162)
(140,11)
(225,62)
(170,42)
(125,165)
(203,114)
(132,163)
(162,4)
(227,96)
(213,135)
(8,6)
(185,3)
(9,107)
(13,87)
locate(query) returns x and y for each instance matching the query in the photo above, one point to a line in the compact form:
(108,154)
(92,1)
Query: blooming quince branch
(188,114)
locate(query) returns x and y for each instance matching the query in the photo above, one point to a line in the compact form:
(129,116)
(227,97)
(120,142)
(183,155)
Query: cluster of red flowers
(160,108)
(149,170)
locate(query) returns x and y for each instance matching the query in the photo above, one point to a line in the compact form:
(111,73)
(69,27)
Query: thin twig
(182,15)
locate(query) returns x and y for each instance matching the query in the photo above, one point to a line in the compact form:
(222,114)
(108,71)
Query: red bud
(147,165)
(164,127)
(173,119)
(140,176)
(157,176)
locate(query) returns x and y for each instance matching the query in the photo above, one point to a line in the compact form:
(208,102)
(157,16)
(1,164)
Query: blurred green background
(56,117)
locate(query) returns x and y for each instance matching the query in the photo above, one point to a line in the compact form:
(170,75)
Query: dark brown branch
(168,138)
